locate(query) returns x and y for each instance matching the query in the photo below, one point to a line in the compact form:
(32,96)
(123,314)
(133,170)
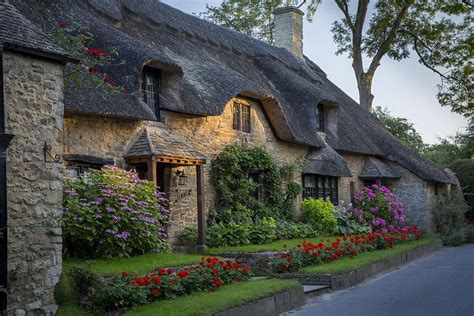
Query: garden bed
(273,246)
(244,295)
(347,272)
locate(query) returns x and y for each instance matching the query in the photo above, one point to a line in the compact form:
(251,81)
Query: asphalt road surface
(442,284)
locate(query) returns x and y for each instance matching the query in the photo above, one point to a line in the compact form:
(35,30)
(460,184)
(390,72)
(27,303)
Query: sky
(406,88)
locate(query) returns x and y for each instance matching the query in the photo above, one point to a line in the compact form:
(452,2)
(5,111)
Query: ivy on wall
(236,201)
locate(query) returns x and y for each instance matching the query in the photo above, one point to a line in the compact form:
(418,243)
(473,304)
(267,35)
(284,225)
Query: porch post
(152,175)
(201,241)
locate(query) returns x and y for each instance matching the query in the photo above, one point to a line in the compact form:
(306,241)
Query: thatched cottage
(194,88)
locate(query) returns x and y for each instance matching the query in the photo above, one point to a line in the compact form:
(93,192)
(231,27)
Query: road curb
(270,305)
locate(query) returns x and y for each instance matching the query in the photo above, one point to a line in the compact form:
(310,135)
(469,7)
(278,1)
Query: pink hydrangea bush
(112,212)
(376,206)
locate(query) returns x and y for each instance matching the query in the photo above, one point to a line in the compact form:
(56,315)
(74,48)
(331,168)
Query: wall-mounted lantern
(48,156)
(182,177)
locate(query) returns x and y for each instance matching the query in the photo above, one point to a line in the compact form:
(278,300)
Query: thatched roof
(157,141)
(376,168)
(18,33)
(209,65)
(326,161)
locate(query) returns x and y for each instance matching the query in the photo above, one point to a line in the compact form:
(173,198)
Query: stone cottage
(194,88)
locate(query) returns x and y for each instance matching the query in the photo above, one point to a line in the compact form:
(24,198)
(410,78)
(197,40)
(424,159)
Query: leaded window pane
(245,118)
(236,116)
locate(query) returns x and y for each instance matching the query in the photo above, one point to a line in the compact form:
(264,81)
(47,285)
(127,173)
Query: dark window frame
(259,192)
(155,76)
(321,117)
(241,117)
(81,168)
(324,186)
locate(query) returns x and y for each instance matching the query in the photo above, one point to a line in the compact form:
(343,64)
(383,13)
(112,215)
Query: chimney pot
(289,29)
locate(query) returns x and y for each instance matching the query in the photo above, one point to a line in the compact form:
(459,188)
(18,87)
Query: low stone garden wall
(272,305)
(338,282)
(259,261)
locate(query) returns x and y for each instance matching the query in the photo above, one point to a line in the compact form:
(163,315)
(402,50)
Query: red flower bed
(207,275)
(309,253)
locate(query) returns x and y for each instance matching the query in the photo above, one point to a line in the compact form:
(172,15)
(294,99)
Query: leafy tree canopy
(459,146)
(401,128)
(439,32)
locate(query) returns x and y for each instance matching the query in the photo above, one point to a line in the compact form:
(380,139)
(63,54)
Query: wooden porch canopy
(156,145)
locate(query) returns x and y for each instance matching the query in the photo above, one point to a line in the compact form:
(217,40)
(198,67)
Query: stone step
(256,278)
(314,288)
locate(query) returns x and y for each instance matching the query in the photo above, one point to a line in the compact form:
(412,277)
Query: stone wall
(34,114)
(355,164)
(108,138)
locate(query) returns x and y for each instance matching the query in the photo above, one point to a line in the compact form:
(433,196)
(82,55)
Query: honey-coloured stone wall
(34,114)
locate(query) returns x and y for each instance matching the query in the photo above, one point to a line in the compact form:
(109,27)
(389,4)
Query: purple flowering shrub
(376,207)
(112,212)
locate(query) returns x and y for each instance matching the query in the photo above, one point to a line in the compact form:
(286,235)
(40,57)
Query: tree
(459,146)
(401,128)
(464,169)
(439,32)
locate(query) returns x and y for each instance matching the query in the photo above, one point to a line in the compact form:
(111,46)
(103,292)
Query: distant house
(194,88)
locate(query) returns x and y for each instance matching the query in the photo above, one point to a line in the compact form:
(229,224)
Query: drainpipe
(4,141)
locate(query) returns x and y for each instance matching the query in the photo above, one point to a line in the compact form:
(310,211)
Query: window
(320,112)
(241,117)
(370,182)
(151,89)
(316,186)
(259,192)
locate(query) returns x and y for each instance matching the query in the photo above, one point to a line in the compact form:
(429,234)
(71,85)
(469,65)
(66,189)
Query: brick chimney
(289,29)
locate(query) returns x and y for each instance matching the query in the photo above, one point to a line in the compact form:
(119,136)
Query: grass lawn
(205,303)
(135,265)
(273,246)
(347,264)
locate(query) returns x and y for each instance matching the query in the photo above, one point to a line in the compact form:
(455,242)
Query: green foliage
(438,32)
(449,219)
(346,223)
(290,230)
(76,38)
(235,200)
(401,128)
(464,169)
(470,233)
(319,214)
(111,212)
(254,18)
(188,237)
(263,231)
(228,235)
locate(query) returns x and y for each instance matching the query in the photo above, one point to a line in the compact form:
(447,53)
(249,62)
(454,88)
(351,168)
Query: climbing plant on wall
(249,186)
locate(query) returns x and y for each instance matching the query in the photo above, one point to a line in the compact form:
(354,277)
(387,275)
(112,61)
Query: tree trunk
(365,92)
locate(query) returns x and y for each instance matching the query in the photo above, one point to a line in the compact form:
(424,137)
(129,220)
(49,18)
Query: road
(442,284)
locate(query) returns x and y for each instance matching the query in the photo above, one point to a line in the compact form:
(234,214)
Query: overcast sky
(406,88)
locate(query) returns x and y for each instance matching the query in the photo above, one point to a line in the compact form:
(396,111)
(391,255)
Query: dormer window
(321,118)
(150,93)
(241,117)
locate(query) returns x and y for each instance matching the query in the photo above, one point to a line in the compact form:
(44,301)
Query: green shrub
(319,214)
(449,219)
(221,235)
(470,233)
(464,169)
(111,212)
(291,230)
(346,222)
(263,231)
(188,237)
